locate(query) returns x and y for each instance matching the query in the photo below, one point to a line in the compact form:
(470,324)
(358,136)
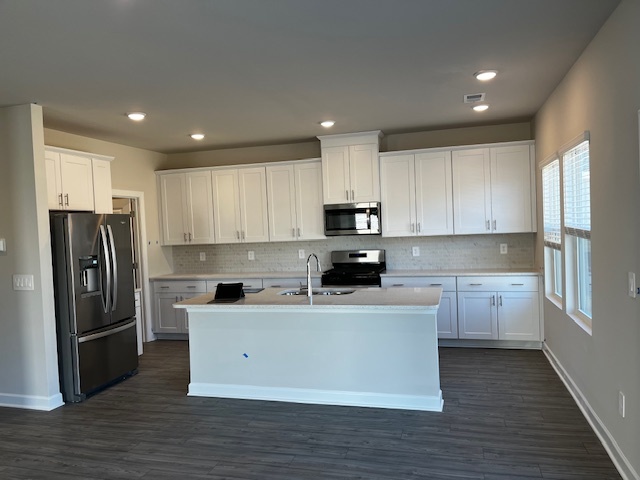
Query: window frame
(553,278)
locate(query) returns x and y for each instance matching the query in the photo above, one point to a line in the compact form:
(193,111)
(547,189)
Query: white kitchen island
(375,347)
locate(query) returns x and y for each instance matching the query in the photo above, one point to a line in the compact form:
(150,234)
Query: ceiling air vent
(474,97)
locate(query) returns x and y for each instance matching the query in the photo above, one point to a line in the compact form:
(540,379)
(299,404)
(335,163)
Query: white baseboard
(324,397)
(618,458)
(31,402)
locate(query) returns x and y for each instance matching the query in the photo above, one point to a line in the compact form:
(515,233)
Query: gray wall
(601,94)
(28,354)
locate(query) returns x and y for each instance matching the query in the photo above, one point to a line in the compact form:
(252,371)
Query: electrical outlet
(504,248)
(301,254)
(621,404)
(415,251)
(23,282)
(632,285)
(251,255)
(203,256)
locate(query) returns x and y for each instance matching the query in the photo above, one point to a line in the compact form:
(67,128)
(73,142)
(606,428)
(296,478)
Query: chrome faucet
(309,287)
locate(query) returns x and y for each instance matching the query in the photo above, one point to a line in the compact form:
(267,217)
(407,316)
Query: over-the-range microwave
(352,219)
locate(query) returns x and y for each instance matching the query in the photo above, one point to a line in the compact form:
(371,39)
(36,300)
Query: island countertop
(423,299)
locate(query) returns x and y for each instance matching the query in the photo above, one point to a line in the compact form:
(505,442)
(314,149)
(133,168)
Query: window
(552,229)
(577,229)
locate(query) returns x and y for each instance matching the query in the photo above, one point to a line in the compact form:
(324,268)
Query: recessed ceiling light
(484,75)
(197,136)
(481,108)
(136,116)
(328,123)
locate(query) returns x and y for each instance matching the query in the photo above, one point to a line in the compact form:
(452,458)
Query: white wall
(28,353)
(601,93)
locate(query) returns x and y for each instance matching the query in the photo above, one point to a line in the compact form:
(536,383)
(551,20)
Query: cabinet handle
(493,300)
(353,195)
(346,192)
(238,234)
(517,284)
(242,234)
(419,227)
(435,284)
(500,298)
(398,284)
(494,224)
(60,200)
(413,227)
(488,225)
(276,286)
(191,286)
(475,284)
(185,236)
(293,232)
(66,198)
(189,236)
(298,231)
(164,286)
(177,298)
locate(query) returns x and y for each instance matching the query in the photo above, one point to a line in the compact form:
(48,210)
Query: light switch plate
(415,251)
(301,254)
(632,285)
(203,256)
(3,245)
(504,249)
(23,282)
(251,255)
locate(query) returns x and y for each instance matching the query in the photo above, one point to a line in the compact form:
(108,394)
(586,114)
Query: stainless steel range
(355,268)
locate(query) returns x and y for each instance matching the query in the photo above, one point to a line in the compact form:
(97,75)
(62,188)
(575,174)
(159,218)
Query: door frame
(144,261)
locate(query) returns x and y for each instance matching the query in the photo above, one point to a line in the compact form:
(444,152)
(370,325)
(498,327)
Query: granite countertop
(423,299)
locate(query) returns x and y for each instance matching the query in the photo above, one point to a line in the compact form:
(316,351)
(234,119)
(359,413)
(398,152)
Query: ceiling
(258,72)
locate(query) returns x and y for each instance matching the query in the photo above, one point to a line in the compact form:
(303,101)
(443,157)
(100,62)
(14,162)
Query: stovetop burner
(355,268)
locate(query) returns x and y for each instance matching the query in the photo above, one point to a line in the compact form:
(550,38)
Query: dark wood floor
(507,416)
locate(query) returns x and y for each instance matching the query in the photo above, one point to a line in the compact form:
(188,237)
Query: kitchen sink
(319,291)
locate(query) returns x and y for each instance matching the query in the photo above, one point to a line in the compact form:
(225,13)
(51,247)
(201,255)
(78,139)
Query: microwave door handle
(105,289)
(114,262)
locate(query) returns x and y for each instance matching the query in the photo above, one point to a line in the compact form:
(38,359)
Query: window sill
(556,300)
(582,321)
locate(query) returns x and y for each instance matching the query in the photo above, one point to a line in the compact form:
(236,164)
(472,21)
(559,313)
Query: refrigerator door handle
(106,292)
(106,333)
(114,262)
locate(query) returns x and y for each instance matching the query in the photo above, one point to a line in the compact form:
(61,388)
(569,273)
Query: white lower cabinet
(447,318)
(166,318)
(498,308)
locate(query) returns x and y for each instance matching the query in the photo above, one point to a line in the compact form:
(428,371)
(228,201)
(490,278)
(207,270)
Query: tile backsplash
(436,253)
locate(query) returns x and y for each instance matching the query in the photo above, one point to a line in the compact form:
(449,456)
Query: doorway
(132,203)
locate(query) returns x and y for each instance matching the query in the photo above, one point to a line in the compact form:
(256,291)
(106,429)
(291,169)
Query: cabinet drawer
(448,284)
(246,283)
(505,283)
(180,286)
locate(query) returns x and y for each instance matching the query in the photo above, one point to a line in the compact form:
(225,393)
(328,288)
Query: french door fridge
(95,307)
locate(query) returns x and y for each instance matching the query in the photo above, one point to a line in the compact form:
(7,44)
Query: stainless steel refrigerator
(95,309)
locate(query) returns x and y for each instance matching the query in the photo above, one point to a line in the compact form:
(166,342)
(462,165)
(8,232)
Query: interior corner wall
(131,169)
(28,352)
(600,94)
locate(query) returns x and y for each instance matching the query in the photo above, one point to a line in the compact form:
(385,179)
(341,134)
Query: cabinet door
(511,189)
(364,173)
(448,316)
(226,206)
(199,210)
(518,316)
(471,191)
(182,315)
(398,196)
(477,315)
(281,192)
(77,182)
(173,208)
(102,193)
(336,186)
(168,319)
(54,182)
(309,210)
(253,205)
(434,201)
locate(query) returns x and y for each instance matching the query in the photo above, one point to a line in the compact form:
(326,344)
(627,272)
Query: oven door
(352,219)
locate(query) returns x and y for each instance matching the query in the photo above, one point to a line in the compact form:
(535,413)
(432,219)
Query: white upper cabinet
(350,168)
(78,181)
(186,208)
(416,194)
(492,190)
(240,205)
(295,201)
